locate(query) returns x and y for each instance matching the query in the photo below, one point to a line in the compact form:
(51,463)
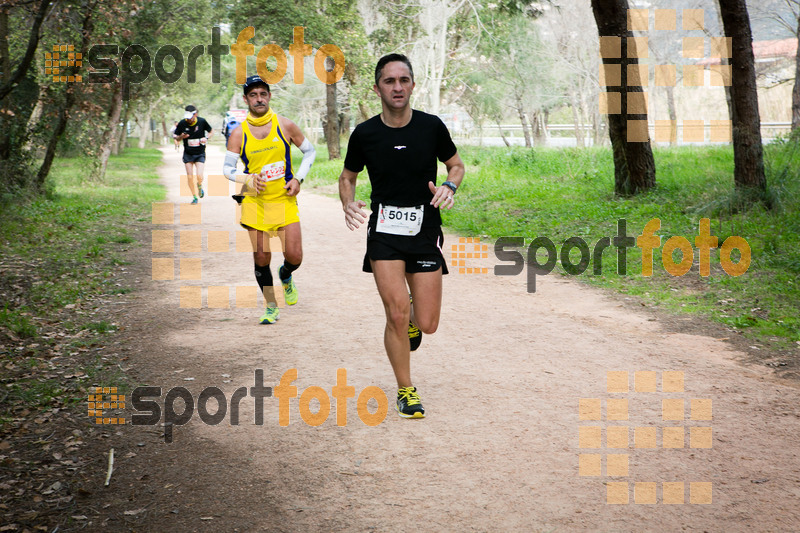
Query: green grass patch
(60,254)
(567,193)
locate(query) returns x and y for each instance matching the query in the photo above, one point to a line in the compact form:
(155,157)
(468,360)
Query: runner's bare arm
(296,137)
(354,216)
(234,146)
(443,195)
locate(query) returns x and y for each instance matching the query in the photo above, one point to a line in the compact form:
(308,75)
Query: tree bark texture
(748,157)
(634,168)
(110,137)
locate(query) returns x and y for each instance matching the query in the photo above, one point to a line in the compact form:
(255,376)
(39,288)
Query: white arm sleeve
(309,154)
(229,168)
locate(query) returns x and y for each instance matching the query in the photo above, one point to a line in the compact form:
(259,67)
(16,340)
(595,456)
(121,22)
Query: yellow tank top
(271,154)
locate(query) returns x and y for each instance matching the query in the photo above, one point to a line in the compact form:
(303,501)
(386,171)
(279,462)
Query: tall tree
(634,168)
(748,154)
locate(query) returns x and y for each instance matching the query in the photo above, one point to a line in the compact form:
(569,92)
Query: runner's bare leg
(391,282)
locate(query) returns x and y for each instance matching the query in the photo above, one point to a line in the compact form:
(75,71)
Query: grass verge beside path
(564,193)
(62,267)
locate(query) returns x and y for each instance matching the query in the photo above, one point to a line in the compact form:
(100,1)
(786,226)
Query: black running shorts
(196,158)
(421,252)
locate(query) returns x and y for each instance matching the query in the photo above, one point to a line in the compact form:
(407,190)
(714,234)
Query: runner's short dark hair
(388,59)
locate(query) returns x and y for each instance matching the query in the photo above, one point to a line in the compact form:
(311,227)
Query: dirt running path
(501,381)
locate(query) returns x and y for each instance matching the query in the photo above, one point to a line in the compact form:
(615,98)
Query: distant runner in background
(192,131)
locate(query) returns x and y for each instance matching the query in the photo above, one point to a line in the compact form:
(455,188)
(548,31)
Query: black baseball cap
(254,81)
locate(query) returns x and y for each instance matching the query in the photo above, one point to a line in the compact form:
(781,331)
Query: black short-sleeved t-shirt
(401,161)
(192,144)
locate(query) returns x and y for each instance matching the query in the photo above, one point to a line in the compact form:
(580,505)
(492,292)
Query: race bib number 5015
(400,220)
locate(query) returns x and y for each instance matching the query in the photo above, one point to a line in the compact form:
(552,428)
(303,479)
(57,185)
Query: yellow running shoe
(409,404)
(271,315)
(290,292)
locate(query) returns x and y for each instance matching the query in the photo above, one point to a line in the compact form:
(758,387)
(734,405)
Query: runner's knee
(427,325)
(262,258)
(397,317)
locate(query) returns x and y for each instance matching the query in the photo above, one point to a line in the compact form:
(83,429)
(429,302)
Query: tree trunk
(63,111)
(634,168)
(5,58)
(363,111)
(10,80)
(144,125)
(724,61)
(796,89)
(123,135)
(538,128)
(110,137)
(331,119)
(748,157)
(502,135)
(576,118)
(673,115)
(524,121)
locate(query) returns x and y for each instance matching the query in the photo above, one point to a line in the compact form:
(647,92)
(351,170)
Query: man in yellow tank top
(270,187)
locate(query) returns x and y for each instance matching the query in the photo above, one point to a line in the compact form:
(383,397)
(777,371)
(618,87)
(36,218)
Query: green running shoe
(200,189)
(271,315)
(409,404)
(290,292)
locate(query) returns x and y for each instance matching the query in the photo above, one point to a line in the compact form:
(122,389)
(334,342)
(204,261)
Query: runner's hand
(292,188)
(442,196)
(258,182)
(354,216)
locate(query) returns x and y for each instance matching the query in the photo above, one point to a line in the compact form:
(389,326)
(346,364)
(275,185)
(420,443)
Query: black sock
(263,277)
(285,272)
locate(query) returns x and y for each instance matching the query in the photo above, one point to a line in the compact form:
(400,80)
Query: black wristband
(450,185)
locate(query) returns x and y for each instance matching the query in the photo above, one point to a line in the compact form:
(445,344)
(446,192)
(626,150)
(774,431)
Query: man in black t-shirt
(400,148)
(192,130)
